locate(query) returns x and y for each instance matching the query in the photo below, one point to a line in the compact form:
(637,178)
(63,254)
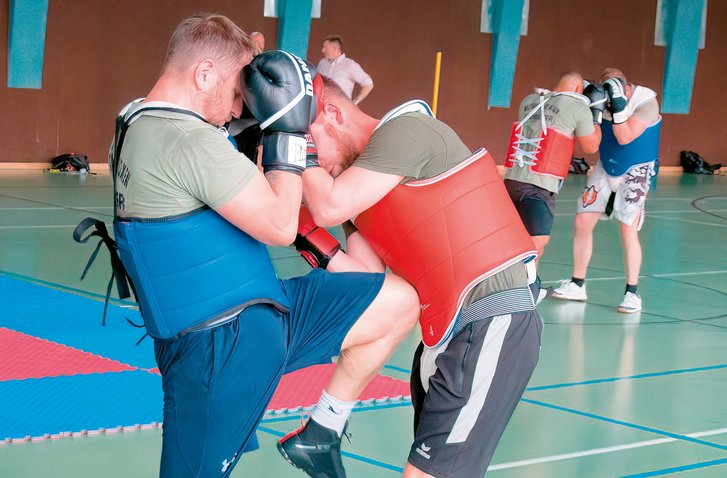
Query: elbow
(284,232)
(324,217)
(326,220)
(623,141)
(282,237)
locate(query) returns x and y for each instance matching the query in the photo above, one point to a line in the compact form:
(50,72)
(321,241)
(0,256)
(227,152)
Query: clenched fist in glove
(277,86)
(597,96)
(616,91)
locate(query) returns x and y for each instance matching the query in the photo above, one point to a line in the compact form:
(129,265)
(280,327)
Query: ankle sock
(631,288)
(332,413)
(578,282)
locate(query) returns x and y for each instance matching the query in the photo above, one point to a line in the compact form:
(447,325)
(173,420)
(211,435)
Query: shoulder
(645,105)
(350,63)
(530,98)
(410,123)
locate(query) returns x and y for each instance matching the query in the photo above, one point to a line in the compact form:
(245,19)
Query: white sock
(332,413)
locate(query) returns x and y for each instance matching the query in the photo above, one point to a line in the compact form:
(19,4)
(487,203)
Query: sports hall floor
(613,395)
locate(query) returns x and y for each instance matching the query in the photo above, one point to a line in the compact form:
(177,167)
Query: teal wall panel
(294,17)
(506,24)
(682,29)
(26,42)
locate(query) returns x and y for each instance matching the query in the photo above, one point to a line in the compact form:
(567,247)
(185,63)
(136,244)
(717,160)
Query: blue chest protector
(188,272)
(618,158)
(194,271)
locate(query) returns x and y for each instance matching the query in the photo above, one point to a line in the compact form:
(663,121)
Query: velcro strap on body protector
(124,285)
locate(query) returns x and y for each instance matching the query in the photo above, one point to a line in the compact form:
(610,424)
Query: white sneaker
(541,295)
(569,290)
(631,303)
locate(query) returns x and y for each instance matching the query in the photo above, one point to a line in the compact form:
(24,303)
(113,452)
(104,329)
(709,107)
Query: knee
(404,303)
(631,231)
(581,224)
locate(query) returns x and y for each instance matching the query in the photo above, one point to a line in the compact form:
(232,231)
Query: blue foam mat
(74,321)
(54,405)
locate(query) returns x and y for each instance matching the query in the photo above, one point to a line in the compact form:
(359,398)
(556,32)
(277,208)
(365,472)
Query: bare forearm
(589,144)
(288,191)
(628,131)
(267,208)
(322,199)
(363,93)
(360,256)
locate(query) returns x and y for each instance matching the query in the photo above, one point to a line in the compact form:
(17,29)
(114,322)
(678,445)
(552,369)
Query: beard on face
(212,105)
(346,152)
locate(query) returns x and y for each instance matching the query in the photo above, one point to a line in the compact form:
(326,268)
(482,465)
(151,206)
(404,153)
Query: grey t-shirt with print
(568,114)
(173,163)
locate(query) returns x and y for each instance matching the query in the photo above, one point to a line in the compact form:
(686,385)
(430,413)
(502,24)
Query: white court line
(52,208)
(671,274)
(690,211)
(676,274)
(651,199)
(687,220)
(600,451)
(649,212)
(38,227)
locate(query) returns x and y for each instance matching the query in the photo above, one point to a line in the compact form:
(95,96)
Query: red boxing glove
(315,244)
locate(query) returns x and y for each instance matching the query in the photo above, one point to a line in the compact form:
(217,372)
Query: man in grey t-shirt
(192,219)
(421,204)
(565,114)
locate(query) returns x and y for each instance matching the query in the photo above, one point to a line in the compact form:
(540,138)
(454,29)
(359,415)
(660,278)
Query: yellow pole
(437,69)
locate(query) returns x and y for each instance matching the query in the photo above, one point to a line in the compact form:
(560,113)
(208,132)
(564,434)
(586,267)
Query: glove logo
(306,76)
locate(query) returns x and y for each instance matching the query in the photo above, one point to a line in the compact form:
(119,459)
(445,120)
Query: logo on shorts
(589,196)
(423,449)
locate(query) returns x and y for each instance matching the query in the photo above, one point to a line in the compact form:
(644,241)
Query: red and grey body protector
(551,152)
(434,234)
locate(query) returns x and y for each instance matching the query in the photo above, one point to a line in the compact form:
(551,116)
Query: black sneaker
(314,449)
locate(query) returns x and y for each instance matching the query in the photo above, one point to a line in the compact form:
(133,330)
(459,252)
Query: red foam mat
(25,356)
(302,389)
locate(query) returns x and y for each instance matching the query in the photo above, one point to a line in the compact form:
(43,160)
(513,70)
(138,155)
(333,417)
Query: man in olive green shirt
(466,387)
(567,111)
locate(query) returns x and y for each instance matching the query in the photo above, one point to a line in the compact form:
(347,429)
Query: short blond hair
(331,91)
(202,37)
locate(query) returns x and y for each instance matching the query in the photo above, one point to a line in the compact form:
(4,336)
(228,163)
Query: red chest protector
(445,235)
(551,152)
(551,155)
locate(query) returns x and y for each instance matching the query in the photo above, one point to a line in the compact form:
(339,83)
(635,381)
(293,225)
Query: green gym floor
(613,395)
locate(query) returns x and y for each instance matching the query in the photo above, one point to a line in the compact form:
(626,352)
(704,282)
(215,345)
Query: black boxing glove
(277,86)
(597,96)
(616,91)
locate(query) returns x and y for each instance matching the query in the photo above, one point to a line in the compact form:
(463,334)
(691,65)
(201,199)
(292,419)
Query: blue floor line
(607,380)
(626,424)
(679,469)
(65,288)
(630,377)
(347,454)
(398,369)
